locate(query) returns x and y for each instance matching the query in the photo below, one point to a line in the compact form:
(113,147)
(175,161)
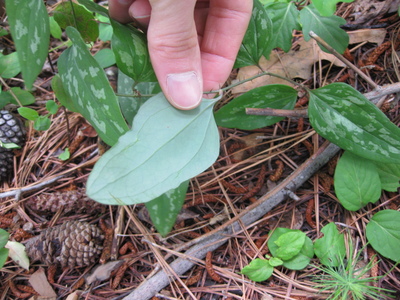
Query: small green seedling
(41,123)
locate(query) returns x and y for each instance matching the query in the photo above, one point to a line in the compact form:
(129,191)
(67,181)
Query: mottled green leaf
(131,52)
(256,39)
(389,175)
(86,84)
(30,30)
(164,209)
(165,147)
(330,249)
(383,233)
(357,181)
(9,65)
(345,117)
(258,270)
(233,114)
(72,14)
(328,28)
(284,17)
(61,94)
(327,7)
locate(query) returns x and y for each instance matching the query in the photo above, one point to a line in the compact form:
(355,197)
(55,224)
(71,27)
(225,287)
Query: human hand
(192,44)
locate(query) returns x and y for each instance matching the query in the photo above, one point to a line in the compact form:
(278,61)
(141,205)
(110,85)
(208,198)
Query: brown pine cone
(75,200)
(71,244)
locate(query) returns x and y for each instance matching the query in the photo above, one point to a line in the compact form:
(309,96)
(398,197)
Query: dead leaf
(103,272)
(73,296)
(18,254)
(376,36)
(39,282)
(294,64)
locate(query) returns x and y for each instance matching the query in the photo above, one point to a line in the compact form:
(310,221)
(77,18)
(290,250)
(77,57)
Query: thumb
(175,52)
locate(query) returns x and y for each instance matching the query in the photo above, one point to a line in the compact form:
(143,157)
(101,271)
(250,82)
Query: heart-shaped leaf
(258,270)
(30,29)
(165,147)
(357,181)
(330,249)
(345,117)
(86,84)
(233,114)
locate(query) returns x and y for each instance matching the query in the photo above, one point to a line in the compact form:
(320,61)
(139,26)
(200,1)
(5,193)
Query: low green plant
(39,122)
(12,249)
(3,251)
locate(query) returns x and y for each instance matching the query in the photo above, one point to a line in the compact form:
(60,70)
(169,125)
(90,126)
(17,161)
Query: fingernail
(184,90)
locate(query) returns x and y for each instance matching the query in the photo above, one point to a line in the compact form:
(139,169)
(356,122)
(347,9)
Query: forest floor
(257,161)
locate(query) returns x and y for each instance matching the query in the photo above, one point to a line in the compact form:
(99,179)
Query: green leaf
(389,175)
(275,262)
(131,53)
(94,7)
(30,30)
(65,155)
(72,14)
(28,113)
(3,256)
(105,57)
(289,244)
(87,85)
(51,107)
(18,254)
(165,147)
(345,117)
(383,233)
(256,39)
(3,237)
(258,270)
(327,28)
(233,114)
(24,97)
(9,65)
(327,7)
(130,105)
(164,209)
(330,249)
(356,181)
(299,261)
(42,123)
(105,28)
(9,145)
(55,29)
(3,32)
(61,94)
(284,17)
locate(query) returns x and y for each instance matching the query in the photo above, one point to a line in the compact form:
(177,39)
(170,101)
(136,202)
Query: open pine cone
(71,244)
(11,131)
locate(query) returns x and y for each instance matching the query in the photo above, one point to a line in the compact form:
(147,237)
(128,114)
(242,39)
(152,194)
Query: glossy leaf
(389,175)
(87,85)
(131,53)
(9,65)
(258,270)
(327,7)
(72,14)
(330,249)
(105,57)
(3,237)
(30,30)
(131,105)
(256,39)
(328,28)
(165,147)
(61,94)
(24,97)
(233,114)
(299,261)
(3,256)
(164,209)
(284,17)
(383,233)
(28,113)
(345,117)
(357,181)
(289,244)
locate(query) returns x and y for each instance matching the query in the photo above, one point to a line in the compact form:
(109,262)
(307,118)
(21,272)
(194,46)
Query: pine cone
(11,131)
(75,200)
(71,244)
